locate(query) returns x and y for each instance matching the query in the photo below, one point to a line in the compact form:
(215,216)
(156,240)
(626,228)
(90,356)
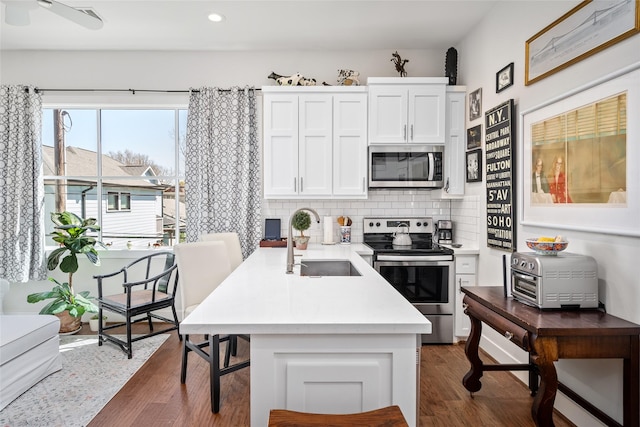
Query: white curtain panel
(222,165)
(22,187)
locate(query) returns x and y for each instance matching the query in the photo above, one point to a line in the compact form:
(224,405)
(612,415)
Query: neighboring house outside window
(137,204)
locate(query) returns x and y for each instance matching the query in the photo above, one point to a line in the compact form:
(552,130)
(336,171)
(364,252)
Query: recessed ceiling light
(215,17)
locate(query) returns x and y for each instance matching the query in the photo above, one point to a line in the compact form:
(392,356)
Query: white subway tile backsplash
(463,212)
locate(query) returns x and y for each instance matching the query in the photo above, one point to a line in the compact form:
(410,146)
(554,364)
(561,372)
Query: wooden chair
(391,416)
(149,284)
(203,266)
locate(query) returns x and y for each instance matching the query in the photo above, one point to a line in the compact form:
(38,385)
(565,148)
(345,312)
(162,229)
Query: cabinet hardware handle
(446,186)
(412,132)
(295,185)
(301,185)
(460,285)
(508,335)
(363,184)
(404,133)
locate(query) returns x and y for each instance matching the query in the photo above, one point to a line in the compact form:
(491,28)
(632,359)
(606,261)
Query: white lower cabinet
(334,374)
(466,266)
(315,142)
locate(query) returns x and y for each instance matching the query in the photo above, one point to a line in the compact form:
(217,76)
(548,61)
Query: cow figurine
(348,78)
(294,80)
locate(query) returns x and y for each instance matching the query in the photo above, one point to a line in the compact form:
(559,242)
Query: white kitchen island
(318,344)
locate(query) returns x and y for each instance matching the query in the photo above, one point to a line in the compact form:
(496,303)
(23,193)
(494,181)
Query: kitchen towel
(328,229)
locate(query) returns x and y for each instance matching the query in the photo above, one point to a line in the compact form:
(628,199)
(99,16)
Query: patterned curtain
(22,196)
(222,166)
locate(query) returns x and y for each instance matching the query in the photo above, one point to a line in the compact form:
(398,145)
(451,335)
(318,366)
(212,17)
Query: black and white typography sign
(499,147)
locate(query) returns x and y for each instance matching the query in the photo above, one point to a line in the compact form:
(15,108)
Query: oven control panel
(389,225)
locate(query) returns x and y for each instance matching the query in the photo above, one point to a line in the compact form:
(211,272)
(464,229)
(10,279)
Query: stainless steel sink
(327,267)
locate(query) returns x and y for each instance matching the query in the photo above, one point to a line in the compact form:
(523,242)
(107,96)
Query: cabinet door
(315,145)
(388,115)
(280,145)
(462,323)
(455,146)
(426,109)
(350,144)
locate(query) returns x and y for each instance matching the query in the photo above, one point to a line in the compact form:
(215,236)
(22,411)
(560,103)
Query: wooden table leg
(471,380)
(631,384)
(542,408)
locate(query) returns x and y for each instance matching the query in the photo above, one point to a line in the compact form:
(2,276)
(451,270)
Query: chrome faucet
(290,237)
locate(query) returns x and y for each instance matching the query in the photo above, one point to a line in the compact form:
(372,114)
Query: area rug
(90,377)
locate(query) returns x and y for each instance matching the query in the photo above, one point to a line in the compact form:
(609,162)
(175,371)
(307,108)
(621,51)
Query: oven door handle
(414,258)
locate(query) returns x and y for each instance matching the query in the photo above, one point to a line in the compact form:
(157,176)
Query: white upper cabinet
(315,142)
(350,144)
(314,145)
(455,147)
(407,110)
(280,118)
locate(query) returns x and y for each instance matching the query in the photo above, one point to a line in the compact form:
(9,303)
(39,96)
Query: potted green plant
(301,221)
(93,322)
(71,234)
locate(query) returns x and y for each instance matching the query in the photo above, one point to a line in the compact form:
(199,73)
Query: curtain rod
(133,91)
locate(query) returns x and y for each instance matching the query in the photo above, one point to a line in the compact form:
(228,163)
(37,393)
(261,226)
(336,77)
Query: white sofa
(29,351)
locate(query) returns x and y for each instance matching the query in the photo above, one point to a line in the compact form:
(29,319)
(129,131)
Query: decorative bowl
(546,248)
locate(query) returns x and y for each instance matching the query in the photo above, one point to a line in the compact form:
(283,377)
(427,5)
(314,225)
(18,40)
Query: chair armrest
(99,278)
(155,278)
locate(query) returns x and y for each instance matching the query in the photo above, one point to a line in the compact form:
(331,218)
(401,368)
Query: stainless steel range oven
(422,271)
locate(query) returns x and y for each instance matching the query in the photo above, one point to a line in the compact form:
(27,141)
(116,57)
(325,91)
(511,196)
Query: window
(586,149)
(124,167)
(113,201)
(118,201)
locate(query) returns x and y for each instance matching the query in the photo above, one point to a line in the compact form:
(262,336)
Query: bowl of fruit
(547,245)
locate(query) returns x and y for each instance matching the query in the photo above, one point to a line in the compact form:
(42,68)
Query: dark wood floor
(154,395)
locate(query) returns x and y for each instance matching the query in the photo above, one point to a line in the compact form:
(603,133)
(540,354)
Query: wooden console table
(549,336)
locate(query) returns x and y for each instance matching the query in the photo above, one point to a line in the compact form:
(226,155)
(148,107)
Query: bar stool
(391,416)
(203,266)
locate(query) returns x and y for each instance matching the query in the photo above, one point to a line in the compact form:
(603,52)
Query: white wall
(182,70)
(497,41)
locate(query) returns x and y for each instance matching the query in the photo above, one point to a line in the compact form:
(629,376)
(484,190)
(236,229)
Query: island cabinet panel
(315,142)
(335,374)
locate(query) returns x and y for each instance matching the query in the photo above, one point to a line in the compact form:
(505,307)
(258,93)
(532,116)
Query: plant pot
(301,242)
(68,323)
(93,323)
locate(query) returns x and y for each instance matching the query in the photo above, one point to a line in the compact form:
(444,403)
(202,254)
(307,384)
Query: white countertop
(260,298)
(467,248)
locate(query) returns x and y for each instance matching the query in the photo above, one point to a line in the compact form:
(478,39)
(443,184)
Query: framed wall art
(474,137)
(579,160)
(586,29)
(474,165)
(504,78)
(499,155)
(475,104)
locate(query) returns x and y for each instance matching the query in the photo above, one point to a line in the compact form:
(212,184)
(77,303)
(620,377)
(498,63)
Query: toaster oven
(562,281)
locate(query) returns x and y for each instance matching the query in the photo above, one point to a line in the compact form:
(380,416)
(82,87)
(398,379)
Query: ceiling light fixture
(18,16)
(215,17)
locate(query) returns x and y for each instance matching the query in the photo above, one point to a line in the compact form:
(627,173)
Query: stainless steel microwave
(406,166)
